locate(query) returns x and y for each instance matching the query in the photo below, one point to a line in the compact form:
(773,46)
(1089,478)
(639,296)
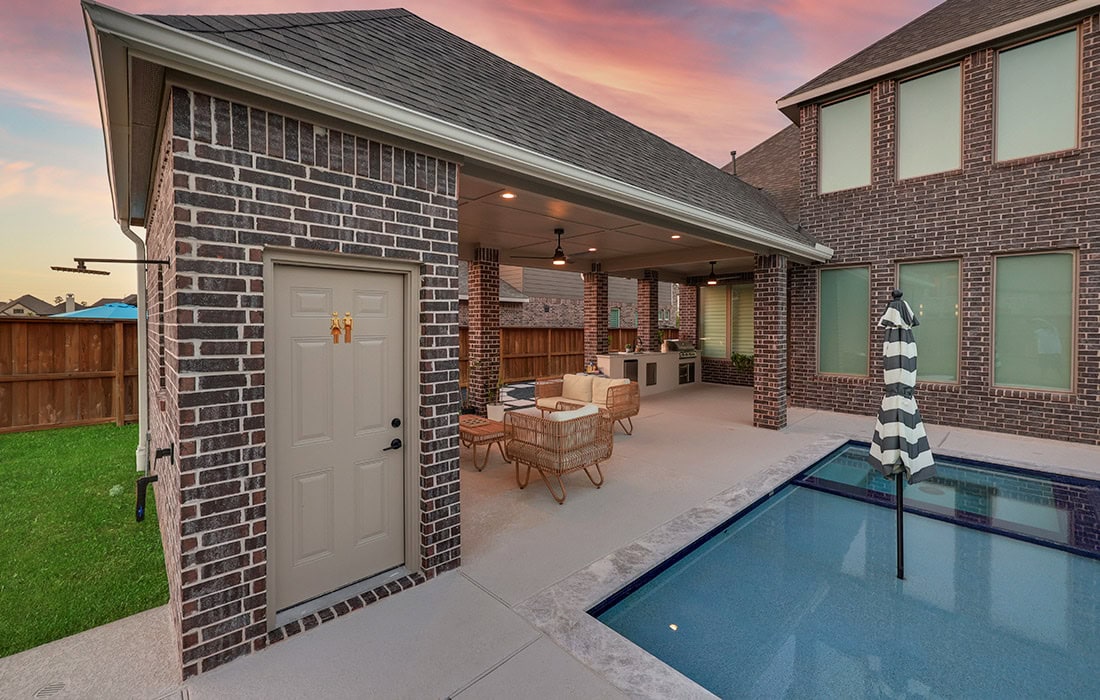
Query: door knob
(395,444)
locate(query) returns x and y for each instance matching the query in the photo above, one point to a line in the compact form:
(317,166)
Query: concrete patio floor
(467,633)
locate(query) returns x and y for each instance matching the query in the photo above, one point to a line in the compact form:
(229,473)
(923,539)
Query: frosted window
(930,124)
(1033,321)
(713,313)
(932,289)
(741,328)
(1037,97)
(843,321)
(844,149)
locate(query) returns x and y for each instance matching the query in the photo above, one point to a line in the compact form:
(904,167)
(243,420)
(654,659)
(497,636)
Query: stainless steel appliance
(689,358)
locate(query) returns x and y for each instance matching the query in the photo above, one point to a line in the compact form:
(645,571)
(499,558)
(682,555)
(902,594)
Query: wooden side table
(475,430)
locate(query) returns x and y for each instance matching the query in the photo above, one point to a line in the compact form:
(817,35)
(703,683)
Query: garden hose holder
(144,481)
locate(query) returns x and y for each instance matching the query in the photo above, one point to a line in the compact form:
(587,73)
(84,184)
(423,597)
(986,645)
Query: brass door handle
(335,329)
(347,327)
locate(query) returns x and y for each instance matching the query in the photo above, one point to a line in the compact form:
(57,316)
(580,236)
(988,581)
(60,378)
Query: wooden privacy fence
(527,353)
(63,372)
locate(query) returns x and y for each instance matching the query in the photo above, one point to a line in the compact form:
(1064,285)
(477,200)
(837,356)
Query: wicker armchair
(622,401)
(558,447)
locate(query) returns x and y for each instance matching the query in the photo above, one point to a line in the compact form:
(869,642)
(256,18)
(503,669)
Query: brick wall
(484,337)
(689,314)
(595,314)
(243,178)
(1042,203)
(770,351)
(164,414)
(555,312)
(718,371)
(647,311)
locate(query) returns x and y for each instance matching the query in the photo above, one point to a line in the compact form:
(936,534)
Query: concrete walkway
(461,635)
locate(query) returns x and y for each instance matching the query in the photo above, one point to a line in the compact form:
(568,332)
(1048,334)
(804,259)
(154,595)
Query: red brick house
(308,184)
(958,159)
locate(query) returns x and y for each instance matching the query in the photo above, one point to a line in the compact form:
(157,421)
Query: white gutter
(204,58)
(990,35)
(142,454)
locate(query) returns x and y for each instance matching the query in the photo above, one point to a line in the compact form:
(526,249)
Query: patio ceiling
(624,246)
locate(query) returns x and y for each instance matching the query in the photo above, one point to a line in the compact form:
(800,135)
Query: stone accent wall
(242,179)
(595,314)
(1041,203)
(769,317)
(484,338)
(647,311)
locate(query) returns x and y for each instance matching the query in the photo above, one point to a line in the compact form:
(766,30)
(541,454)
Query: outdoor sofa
(619,397)
(555,445)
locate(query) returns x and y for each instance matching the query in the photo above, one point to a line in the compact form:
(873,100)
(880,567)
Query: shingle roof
(39,307)
(954,20)
(508,293)
(772,166)
(399,57)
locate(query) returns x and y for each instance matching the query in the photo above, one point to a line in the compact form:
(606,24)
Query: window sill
(1034,394)
(1039,158)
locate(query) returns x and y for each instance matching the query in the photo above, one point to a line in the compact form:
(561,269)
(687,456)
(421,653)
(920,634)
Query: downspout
(141,457)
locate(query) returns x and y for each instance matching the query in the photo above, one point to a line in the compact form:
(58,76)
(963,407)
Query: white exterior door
(335,493)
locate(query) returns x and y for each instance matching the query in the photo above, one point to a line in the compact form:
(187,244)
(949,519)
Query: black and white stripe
(900,443)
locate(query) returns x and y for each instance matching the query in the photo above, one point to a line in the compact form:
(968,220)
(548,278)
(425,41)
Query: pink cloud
(703,75)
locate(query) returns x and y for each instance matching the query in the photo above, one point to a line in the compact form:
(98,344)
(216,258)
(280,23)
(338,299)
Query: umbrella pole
(899,488)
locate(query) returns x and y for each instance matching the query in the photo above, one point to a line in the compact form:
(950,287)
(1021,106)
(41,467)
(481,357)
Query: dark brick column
(689,314)
(769,393)
(647,311)
(484,319)
(595,313)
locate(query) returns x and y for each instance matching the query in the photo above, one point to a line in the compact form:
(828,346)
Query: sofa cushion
(559,416)
(577,387)
(549,402)
(600,385)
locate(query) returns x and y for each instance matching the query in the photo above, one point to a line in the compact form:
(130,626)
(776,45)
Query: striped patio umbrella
(900,445)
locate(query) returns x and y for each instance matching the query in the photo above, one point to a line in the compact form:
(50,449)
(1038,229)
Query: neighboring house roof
(398,57)
(33,303)
(508,293)
(772,166)
(950,28)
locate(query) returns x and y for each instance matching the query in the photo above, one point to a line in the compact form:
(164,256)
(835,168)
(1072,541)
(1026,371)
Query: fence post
(120,375)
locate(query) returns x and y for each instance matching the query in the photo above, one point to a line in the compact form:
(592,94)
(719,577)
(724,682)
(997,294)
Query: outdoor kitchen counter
(655,372)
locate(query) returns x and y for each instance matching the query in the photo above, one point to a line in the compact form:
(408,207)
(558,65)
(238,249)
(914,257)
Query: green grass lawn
(71,555)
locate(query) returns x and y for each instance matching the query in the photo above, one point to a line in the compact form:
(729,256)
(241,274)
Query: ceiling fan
(558,257)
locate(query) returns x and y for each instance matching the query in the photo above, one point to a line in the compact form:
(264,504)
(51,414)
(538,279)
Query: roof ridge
(329,17)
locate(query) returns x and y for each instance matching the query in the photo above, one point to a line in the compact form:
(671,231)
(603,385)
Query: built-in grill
(687,350)
(688,358)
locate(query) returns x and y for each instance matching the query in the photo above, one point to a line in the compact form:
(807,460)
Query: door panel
(312,400)
(335,497)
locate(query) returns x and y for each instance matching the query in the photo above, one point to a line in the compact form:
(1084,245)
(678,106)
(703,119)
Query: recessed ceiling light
(508,195)
(591,250)
(675,236)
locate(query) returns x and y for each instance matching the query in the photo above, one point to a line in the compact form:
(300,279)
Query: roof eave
(198,56)
(789,104)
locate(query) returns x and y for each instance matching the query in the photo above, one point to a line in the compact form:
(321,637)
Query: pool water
(798,597)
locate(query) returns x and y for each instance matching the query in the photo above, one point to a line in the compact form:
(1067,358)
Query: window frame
(726,293)
(1073,325)
(962,122)
(1079,94)
(870,140)
(616,313)
(817,322)
(958,320)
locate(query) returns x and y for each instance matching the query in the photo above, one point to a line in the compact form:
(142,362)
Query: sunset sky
(703,74)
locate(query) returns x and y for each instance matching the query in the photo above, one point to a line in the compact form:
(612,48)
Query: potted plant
(494,409)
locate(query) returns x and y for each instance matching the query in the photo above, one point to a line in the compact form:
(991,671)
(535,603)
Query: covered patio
(484,630)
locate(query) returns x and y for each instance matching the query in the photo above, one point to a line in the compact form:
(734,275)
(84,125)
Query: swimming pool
(797,596)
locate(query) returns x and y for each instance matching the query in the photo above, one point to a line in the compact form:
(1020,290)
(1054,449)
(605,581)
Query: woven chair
(623,401)
(556,448)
